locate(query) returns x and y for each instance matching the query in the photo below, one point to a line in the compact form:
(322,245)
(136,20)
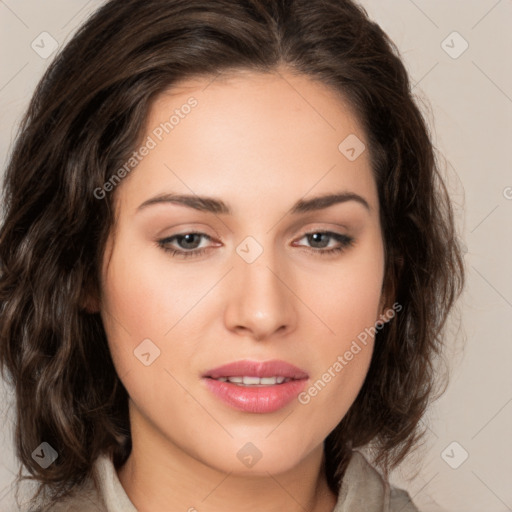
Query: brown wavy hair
(83,122)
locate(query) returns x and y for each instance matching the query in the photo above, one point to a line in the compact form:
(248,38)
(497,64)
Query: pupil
(189,240)
(317,238)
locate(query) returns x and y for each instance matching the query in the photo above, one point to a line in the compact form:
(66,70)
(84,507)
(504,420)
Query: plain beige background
(465,464)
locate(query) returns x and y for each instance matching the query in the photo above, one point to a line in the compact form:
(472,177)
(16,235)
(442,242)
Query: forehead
(245,92)
(251,135)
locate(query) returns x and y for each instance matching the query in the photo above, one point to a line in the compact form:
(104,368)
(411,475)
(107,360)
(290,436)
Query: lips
(247,368)
(256,398)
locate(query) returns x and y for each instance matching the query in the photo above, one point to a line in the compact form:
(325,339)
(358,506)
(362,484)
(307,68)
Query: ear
(388,293)
(387,298)
(383,307)
(89,301)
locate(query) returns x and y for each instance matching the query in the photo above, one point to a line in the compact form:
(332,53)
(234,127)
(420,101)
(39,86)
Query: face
(257,272)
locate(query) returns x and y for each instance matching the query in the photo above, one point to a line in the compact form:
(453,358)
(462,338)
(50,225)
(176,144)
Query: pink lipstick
(257,387)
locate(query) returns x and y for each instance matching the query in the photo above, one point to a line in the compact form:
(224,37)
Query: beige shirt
(363,490)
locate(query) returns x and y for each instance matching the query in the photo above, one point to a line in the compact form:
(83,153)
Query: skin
(260,142)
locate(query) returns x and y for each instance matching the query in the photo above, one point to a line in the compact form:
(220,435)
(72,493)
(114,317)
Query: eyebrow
(217,206)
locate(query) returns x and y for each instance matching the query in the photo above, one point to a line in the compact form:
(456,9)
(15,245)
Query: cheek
(342,361)
(347,301)
(145,295)
(146,298)
(347,298)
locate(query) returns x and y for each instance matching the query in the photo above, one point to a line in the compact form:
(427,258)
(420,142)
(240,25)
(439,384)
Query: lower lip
(258,399)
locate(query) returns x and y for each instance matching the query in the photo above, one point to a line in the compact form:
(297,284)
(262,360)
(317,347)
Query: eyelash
(344,240)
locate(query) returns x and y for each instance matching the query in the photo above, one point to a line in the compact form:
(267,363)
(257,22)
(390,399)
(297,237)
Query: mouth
(252,381)
(256,387)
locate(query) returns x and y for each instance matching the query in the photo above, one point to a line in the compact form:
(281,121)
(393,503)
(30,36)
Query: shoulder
(83,499)
(364,488)
(102,492)
(400,501)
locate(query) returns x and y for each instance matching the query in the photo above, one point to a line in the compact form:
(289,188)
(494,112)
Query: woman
(227,261)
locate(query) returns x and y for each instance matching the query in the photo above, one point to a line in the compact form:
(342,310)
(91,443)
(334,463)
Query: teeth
(254,381)
(250,381)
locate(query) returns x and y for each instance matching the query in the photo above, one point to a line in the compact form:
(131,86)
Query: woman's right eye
(187,244)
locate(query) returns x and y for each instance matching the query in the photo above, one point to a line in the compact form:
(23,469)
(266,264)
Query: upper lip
(247,368)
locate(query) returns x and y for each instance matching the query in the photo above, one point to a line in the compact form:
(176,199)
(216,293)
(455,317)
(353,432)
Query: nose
(261,302)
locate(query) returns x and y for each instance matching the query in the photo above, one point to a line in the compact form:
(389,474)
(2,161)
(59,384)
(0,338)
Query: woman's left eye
(318,238)
(189,243)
